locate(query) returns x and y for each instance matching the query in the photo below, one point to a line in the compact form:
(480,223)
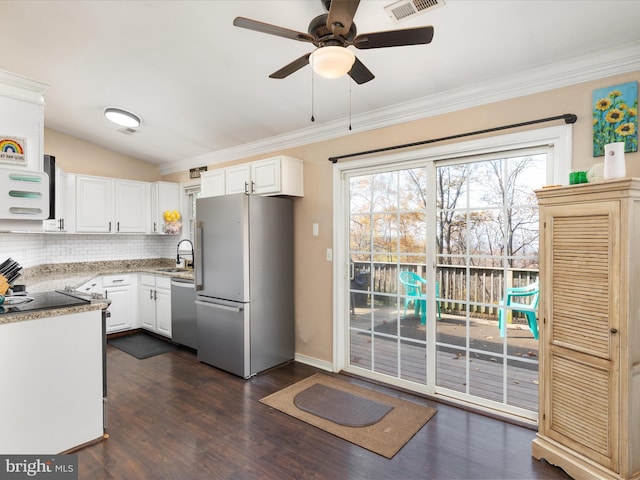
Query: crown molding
(601,64)
(22,88)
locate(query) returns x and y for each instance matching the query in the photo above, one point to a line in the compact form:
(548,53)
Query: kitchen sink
(174,270)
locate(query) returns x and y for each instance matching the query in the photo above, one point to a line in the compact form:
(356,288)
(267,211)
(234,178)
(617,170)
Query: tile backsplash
(32,249)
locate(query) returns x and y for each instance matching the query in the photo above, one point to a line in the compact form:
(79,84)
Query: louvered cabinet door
(581,288)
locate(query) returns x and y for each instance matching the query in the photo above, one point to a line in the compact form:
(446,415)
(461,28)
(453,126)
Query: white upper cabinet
(94,204)
(212,183)
(238,179)
(131,206)
(106,205)
(22,119)
(277,176)
(164,196)
(273,176)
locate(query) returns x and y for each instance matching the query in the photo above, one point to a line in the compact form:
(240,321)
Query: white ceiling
(201,85)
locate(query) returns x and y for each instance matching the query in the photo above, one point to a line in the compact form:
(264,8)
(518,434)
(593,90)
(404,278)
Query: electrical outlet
(329,255)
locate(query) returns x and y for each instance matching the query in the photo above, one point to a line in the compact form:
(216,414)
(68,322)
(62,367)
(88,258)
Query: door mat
(340,407)
(141,345)
(386,436)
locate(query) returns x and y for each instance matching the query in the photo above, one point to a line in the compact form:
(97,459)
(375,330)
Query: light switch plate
(329,255)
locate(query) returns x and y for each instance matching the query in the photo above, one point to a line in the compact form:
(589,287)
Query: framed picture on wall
(615,117)
(13,150)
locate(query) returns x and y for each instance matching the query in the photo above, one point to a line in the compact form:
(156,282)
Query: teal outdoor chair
(529,309)
(412,283)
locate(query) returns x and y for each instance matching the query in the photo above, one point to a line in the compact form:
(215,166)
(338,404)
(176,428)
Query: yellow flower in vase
(172,221)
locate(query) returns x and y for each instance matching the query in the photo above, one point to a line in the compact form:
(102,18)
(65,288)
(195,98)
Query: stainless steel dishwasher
(184,329)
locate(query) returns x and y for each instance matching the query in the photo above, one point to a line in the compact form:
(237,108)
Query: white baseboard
(314,362)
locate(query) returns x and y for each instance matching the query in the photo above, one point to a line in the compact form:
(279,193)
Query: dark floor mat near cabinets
(141,345)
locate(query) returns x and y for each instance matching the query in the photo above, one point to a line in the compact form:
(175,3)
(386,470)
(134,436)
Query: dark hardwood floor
(171,417)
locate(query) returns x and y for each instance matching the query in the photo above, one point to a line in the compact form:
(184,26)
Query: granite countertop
(56,276)
(52,312)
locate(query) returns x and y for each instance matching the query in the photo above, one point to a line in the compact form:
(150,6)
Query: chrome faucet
(178,256)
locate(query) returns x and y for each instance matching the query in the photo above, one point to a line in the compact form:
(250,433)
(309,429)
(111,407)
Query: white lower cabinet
(121,289)
(155,303)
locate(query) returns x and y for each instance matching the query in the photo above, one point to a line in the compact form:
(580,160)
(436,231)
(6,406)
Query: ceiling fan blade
(360,73)
(272,29)
(394,38)
(341,14)
(294,66)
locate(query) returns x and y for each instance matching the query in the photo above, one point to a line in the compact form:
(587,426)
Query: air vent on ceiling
(405,9)
(128,131)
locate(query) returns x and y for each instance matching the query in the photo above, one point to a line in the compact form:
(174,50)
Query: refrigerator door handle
(198,255)
(219,306)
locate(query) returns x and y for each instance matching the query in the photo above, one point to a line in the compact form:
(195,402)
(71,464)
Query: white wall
(31,249)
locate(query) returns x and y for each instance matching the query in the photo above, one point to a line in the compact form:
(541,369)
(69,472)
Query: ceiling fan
(332,33)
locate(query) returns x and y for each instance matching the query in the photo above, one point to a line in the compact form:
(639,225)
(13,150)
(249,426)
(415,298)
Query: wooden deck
(478,370)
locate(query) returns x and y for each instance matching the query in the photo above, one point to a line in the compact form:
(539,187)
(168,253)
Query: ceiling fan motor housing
(324,36)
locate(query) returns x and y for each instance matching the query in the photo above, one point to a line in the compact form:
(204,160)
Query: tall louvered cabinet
(589,317)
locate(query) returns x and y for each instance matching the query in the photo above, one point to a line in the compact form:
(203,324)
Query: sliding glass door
(442,278)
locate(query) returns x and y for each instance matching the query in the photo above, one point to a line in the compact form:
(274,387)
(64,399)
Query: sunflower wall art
(615,117)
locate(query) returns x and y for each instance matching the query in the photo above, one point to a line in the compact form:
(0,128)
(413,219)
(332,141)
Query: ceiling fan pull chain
(312,117)
(349,103)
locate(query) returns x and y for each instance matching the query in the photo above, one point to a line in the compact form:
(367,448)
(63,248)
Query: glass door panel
(388,239)
(487,245)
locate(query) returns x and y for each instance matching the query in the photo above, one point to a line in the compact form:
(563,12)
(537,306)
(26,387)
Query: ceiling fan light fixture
(122,117)
(332,61)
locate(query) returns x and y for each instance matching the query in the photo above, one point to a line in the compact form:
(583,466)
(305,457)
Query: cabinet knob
(614,330)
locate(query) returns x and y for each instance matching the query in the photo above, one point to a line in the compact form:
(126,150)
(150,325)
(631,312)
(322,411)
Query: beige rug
(385,437)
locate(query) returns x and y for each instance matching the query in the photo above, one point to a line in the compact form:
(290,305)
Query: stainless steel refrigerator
(244,282)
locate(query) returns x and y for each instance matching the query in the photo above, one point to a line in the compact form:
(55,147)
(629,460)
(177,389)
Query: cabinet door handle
(109,226)
(155,295)
(106,294)
(150,294)
(253,187)
(117,226)
(614,330)
(246,187)
(155,226)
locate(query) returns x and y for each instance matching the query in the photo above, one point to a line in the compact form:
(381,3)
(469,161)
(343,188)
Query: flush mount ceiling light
(122,117)
(332,61)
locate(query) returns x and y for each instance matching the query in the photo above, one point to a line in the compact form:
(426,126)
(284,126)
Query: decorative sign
(13,150)
(195,172)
